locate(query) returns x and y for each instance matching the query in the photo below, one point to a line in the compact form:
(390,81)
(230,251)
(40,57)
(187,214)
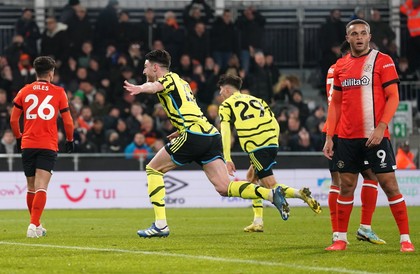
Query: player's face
(150,71)
(358,37)
(225,92)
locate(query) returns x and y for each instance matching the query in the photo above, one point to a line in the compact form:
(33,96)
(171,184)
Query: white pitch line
(186,256)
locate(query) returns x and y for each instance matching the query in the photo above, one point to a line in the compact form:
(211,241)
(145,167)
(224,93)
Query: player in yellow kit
(258,132)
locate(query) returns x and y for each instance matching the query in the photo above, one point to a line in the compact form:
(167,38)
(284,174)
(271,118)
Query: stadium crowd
(93,61)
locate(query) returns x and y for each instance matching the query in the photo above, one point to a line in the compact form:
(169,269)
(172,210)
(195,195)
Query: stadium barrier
(184,189)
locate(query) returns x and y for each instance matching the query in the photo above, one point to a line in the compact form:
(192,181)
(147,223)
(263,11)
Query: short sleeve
(388,71)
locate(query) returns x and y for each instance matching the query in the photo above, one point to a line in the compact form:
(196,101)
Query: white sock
(367,227)
(405,238)
(342,236)
(258,221)
(161,223)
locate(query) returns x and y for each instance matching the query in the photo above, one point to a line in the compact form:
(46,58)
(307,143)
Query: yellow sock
(156,191)
(257,207)
(290,192)
(247,190)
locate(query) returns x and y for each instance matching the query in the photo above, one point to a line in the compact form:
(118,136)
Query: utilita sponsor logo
(100,193)
(352,82)
(12,191)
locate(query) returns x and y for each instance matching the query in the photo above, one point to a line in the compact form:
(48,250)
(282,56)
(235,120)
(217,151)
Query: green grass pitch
(201,241)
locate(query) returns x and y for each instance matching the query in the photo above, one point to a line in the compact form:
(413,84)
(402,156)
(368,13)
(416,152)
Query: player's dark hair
(232,80)
(357,22)
(161,57)
(344,47)
(43,65)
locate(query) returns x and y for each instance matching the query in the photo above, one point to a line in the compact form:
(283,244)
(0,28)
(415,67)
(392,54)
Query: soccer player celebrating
(40,102)
(258,132)
(369,193)
(195,140)
(365,99)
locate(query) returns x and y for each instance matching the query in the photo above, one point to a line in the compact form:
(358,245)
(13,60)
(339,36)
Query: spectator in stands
(382,34)
(85,54)
(135,60)
(185,69)
(173,37)
(82,143)
(158,45)
(196,11)
(404,157)
(298,102)
(251,26)
(205,94)
(318,116)
(106,28)
(272,68)
(212,114)
(234,67)
(99,106)
(113,143)
(135,119)
(69,11)
(159,116)
(359,13)
(96,134)
(198,43)
(292,129)
(411,8)
(6,78)
(24,74)
(283,89)
(5,108)
(224,40)
(128,32)
(150,132)
(406,75)
(29,30)
(150,30)
(111,118)
(85,119)
(15,50)
(302,141)
(258,80)
(332,33)
(79,30)
(54,41)
(8,143)
(123,132)
(138,148)
(86,91)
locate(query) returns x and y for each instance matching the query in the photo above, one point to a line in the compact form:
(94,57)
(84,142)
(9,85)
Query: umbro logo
(173,184)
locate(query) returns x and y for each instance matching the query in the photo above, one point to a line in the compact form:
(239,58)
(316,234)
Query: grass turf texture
(201,241)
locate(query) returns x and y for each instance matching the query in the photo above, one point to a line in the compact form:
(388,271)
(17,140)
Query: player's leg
(216,172)
(157,167)
(30,194)
(344,207)
(369,195)
(382,160)
(257,224)
(332,202)
(349,163)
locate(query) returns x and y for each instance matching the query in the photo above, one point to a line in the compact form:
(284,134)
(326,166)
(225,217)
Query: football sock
(369,195)
(344,208)
(399,210)
(38,205)
(257,207)
(332,204)
(247,190)
(156,191)
(290,192)
(405,238)
(30,195)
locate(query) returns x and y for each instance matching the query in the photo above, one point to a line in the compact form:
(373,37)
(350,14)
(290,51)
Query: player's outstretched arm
(149,87)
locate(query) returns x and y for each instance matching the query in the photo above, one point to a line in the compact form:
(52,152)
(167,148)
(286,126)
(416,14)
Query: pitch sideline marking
(208,258)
